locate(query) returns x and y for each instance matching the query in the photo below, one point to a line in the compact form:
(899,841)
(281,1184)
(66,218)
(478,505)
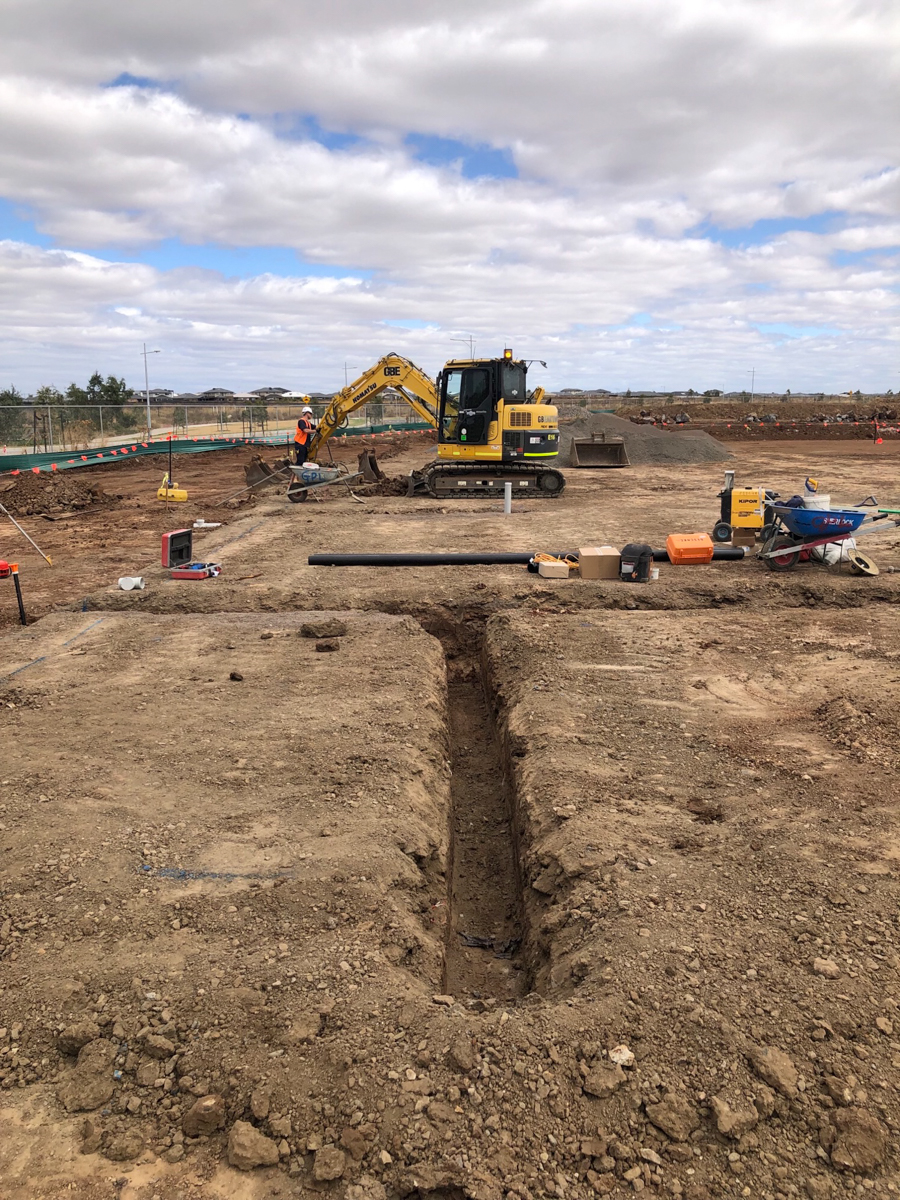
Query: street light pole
(752,384)
(145,352)
(467,341)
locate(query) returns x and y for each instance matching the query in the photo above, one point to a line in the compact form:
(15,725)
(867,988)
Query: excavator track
(444,480)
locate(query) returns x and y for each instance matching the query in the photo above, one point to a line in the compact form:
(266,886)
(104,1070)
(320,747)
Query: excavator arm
(392,371)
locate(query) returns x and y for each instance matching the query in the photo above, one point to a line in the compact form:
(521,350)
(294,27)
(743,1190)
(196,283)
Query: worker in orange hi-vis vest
(303,435)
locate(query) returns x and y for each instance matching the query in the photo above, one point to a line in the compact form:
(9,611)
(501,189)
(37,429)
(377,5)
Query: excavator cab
(468,404)
(485,414)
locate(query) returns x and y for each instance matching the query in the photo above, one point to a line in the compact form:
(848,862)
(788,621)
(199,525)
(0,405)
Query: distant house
(214,394)
(269,391)
(570,392)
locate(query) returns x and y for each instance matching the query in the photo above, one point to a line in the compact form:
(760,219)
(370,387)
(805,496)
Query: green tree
(113,395)
(12,418)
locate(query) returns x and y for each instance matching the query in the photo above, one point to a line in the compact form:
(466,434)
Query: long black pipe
(489,558)
(720,554)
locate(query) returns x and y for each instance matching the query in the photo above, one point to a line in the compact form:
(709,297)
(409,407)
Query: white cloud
(631,122)
(213,329)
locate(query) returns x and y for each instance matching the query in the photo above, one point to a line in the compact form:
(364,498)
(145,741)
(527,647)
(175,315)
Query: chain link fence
(65,427)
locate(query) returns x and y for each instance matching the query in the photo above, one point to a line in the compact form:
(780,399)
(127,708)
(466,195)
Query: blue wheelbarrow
(794,532)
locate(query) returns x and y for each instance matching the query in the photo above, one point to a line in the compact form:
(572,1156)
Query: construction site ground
(453,883)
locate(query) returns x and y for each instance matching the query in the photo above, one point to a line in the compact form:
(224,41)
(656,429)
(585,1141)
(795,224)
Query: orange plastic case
(685,549)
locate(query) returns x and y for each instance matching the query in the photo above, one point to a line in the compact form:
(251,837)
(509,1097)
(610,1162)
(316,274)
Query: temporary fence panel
(66,460)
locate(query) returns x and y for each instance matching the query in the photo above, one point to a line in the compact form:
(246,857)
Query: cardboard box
(743,537)
(553,570)
(599,562)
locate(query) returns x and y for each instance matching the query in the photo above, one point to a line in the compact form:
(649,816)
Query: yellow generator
(746,509)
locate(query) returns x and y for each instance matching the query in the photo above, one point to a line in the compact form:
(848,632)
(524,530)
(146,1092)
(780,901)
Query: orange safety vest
(301,437)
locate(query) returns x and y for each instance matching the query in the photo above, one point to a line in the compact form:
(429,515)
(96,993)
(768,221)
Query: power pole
(145,352)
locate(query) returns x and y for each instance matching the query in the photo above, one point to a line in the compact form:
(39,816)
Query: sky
(656,194)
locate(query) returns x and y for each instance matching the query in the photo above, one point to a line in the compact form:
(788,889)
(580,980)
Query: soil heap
(33,495)
(644,444)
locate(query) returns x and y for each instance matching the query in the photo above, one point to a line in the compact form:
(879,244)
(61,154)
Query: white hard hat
(307,409)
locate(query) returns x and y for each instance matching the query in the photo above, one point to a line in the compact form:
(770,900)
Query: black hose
(720,554)
(489,558)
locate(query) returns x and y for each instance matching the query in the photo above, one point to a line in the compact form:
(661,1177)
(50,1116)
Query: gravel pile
(644,443)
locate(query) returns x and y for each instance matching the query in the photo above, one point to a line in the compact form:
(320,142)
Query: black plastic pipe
(720,554)
(489,558)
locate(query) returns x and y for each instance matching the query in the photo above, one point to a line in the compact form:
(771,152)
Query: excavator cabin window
(468,391)
(512,382)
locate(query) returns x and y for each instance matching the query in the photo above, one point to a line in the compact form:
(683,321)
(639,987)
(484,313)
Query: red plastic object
(197,571)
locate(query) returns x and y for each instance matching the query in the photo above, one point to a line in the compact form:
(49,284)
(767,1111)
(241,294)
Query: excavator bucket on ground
(369,468)
(258,473)
(599,450)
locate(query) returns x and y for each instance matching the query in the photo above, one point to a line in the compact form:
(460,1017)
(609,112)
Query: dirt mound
(33,495)
(644,443)
(390,486)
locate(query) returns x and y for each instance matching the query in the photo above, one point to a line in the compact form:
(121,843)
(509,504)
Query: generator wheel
(785,562)
(721,532)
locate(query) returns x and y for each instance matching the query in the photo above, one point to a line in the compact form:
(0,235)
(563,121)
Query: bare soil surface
(98,523)
(237,860)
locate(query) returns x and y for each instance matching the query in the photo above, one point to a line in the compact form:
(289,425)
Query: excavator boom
(392,371)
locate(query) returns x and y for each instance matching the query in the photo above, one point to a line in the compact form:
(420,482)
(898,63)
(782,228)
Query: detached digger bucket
(369,468)
(258,473)
(599,451)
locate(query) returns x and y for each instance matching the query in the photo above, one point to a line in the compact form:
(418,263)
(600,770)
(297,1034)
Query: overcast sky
(644,193)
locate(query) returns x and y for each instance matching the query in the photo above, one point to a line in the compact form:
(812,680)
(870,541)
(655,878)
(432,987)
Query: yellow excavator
(491,430)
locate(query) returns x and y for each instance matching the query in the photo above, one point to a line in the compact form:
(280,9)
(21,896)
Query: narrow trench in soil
(483,956)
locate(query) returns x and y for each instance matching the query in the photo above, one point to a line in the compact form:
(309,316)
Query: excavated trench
(485,926)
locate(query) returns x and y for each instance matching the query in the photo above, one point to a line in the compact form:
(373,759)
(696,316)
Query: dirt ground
(454,883)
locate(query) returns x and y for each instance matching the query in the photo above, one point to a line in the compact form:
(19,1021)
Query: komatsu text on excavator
(491,431)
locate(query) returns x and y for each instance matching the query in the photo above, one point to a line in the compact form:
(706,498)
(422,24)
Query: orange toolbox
(687,549)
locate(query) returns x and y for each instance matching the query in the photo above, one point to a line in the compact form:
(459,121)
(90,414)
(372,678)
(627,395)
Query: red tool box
(197,571)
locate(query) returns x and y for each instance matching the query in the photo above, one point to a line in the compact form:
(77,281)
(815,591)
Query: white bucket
(817,500)
(130,583)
